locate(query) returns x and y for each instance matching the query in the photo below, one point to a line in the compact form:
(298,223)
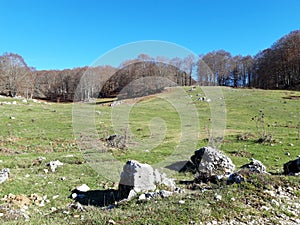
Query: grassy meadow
(29,130)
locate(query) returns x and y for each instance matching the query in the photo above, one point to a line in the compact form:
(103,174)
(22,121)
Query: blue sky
(58,34)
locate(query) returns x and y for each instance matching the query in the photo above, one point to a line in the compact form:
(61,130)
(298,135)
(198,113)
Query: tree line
(277,67)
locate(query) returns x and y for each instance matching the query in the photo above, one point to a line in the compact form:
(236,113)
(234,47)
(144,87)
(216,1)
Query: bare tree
(15,76)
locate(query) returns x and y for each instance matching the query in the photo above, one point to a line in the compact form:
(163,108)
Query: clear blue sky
(58,34)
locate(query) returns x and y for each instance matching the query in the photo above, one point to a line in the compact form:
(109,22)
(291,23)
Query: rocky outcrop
(210,162)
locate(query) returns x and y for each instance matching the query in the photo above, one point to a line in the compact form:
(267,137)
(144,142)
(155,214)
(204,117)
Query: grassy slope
(46,130)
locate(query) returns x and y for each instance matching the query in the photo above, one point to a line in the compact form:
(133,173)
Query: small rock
(42,203)
(82,188)
(291,144)
(264,208)
(63,178)
(74,195)
(132,194)
(54,164)
(56,196)
(76,206)
(165,194)
(287,153)
(111,221)
(46,171)
(27,175)
(218,197)
(255,166)
(290,189)
(12,117)
(275,202)
(142,197)
(235,178)
(181,201)
(4,174)
(150,195)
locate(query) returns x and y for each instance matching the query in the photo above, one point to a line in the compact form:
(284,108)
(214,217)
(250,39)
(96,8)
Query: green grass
(154,130)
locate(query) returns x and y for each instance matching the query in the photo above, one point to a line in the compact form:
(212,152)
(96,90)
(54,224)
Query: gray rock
(4,174)
(255,166)
(292,167)
(218,197)
(210,163)
(150,195)
(141,177)
(142,197)
(82,188)
(132,194)
(235,178)
(165,194)
(54,164)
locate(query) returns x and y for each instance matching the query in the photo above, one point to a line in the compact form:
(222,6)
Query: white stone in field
(4,173)
(83,188)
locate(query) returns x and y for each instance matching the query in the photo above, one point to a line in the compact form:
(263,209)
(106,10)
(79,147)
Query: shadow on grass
(98,198)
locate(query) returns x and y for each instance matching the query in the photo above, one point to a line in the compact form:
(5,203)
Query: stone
(82,188)
(235,178)
(4,174)
(292,167)
(74,195)
(164,180)
(142,197)
(111,222)
(165,194)
(141,177)
(54,164)
(218,197)
(255,166)
(210,162)
(132,194)
(150,195)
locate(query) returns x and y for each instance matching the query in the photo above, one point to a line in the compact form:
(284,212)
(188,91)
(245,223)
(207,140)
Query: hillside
(33,133)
